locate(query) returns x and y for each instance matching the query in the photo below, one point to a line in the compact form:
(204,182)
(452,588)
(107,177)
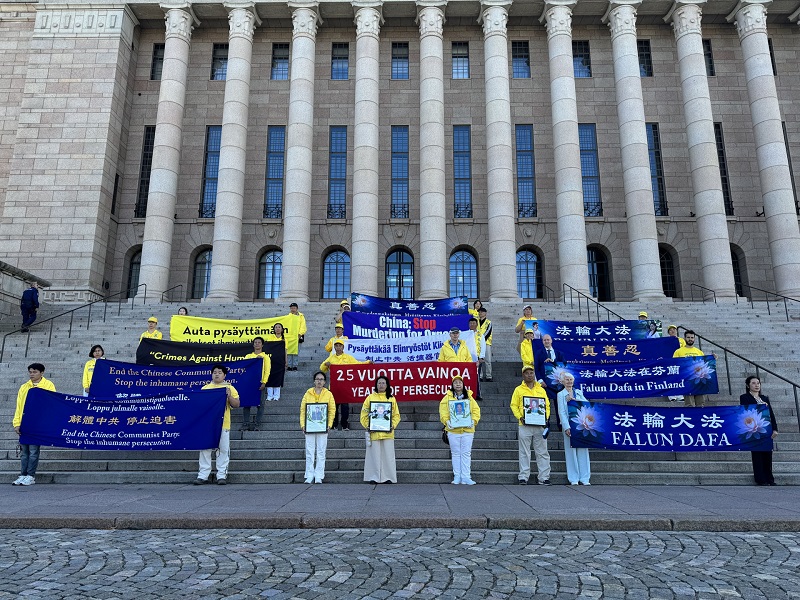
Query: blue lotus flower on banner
(751,423)
(360,300)
(555,373)
(458,304)
(701,372)
(587,419)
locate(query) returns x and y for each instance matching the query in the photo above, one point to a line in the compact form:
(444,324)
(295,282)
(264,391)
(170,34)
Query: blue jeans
(29,459)
(293,360)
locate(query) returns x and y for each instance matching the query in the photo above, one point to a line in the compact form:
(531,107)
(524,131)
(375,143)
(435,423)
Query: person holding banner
(297,324)
(274,393)
(672,331)
(527,315)
(542,357)
(485,327)
(151,332)
(454,350)
(88,369)
(379,462)
(29,453)
(344,306)
(459,413)
(317,442)
(690,350)
(183,311)
(525,348)
(526,403)
(475,311)
(258,352)
(338,335)
(340,358)
(578,467)
(762,459)
(218,373)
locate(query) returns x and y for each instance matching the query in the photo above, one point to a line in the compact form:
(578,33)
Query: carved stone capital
(621,18)
(78,21)
(242,20)
(557,19)
(749,16)
(305,20)
(494,19)
(180,21)
(430,20)
(368,21)
(686,17)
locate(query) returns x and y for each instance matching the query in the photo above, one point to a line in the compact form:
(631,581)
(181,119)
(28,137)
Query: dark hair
(388,385)
(471,319)
(687,332)
(320,373)
(748,380)
(482,309)
(283,330)
(258,337)
(183,308)
(453,390)
(220,366)
(95,347)
(653,326)
(36,367)
(477,302)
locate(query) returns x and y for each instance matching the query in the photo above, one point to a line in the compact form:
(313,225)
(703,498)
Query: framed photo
(534,410)
(380,416)
(460,414)
(317,417)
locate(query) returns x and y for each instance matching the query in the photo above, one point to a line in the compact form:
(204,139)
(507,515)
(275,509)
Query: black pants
(762,467)
(342,416)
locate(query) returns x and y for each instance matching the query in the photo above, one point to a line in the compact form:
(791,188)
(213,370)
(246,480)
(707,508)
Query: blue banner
(443,306)
(613,352)
(576,331)
(180,421)
(364,325)
(691,375)
(113,379)
(668,429)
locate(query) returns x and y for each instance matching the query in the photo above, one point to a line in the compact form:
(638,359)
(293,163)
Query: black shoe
(478,399)
(373,482)
(24,330)
(488,380)
(545,482)
(199,481)
(222,481)
(523,482)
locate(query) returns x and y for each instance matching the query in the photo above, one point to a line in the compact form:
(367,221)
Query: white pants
(273,393)
(316,446)
(532,435)
(223,458)
(578,468)
(461,454)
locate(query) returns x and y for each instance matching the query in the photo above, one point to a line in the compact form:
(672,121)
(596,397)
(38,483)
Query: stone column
(573,266)
(499,154)
(159,223)
(299,148)
(642,233)
(434,269)
(364,259)
(780,212)
(224,285)
(709,205)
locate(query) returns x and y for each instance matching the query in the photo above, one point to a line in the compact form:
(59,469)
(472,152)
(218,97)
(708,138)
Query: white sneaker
(468,482)
(455,481)
(28,480)
(18,480)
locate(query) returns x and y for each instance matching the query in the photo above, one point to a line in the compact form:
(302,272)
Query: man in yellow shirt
(531,434)
(525,348)
(218,373)
(29,453)
(151,332)
(455,350)
(297,324)
(527,315)
(690,350)
(339,335)
(485,327)
(266,368)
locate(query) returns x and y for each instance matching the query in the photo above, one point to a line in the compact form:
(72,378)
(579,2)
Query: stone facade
(75,101)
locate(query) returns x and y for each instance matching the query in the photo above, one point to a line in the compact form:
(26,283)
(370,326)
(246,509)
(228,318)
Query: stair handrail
(758,368)
(71,314)
(767,294)
(702,296)
(552,294)
(164,293)
(588,298)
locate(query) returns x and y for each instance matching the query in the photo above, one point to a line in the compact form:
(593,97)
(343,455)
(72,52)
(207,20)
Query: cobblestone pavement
(415,563)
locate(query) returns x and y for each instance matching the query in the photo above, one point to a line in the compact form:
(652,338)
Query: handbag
(444,436)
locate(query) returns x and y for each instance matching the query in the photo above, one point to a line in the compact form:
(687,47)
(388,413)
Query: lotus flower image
(557,373)
(360,301)
(751,424)
(587,420)
(700,372)
(458,303)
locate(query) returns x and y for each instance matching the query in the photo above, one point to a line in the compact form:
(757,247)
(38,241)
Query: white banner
(406,349)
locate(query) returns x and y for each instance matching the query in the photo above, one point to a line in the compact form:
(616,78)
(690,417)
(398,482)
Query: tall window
(581,59)
(114,194)
(668,273)
(280,61)
(219,62)
(723,169)
(463,274)
(337,173)
(599,284)
(157,64)
(645,58)
(772,57)
(208,206)
(201,281)
(791,169)
(526,176)
(336,275)
(460,60)
(276,157)
(399,172)
(656,170)
(462,171)
(400,275)
(269,274)
(145,167)
(133,274)
(340,61)
(590,170)
(520,60)
(530,283)
(739,272)
(708,54)
(399,60)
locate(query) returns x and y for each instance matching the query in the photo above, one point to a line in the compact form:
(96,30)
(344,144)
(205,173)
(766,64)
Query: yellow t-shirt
(156,335)
(688,351)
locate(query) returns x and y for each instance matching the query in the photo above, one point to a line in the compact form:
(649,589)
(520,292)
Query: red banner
(411,382)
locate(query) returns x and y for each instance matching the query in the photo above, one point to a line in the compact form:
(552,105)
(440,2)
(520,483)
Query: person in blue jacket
(28,305)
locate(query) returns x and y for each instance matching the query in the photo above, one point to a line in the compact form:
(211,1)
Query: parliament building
(499,149)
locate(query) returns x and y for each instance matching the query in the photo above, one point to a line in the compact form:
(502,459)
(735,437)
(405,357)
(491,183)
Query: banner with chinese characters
(366,325)
(227,331)
(406,349)
(163,352)
(603,353)
(443,306)
(113,379)
(180,421)
(669,429)
(692,375)
(576,331)
(418,382)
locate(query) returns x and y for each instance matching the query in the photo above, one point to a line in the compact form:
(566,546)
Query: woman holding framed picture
(380,417)
(459,413)
(317,410)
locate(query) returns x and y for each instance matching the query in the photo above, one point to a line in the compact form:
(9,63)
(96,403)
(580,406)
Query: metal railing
(702,296)
(71,314)
(767,294)
(589,301)
(549,293)
(726,353)
(174,287)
